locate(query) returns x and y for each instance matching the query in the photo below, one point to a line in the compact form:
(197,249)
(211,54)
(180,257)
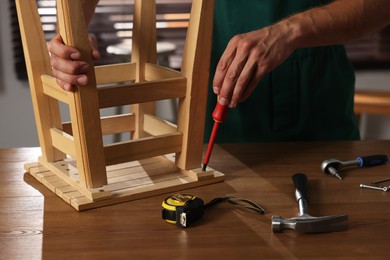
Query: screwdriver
(219,115)
(333,166)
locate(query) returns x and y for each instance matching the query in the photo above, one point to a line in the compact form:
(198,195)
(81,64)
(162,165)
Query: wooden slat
(48,182)
(157,126)
(121,72)
(110,124)
(133,172)
(143,174)
(52,89)
(142,148)
(141,92)
(158,175)
(156,72)
(118,124)
(63,141)
(65,191)
(84,111)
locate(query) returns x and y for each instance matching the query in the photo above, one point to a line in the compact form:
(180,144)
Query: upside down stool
(159,157)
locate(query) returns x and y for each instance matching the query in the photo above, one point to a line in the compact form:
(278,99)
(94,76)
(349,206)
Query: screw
(386,188)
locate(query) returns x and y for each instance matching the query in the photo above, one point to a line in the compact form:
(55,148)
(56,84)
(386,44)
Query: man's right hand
(67,63)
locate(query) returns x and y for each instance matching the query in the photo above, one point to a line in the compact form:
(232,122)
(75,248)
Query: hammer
(333,166)
(306,223)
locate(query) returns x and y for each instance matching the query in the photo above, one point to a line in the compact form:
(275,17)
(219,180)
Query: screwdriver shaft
(210,145)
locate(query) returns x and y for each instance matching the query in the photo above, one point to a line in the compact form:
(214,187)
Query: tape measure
(184,209)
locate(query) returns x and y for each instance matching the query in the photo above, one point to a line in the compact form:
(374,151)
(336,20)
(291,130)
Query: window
(112,25)
(371,52)
(113,20)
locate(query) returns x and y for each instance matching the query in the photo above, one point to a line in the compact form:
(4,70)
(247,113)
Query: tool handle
(372,160)
(219,113)
(300,183)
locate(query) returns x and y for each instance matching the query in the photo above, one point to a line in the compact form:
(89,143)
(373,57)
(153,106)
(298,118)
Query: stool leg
(84,109)
(46,109)
(196,60)
(143,51)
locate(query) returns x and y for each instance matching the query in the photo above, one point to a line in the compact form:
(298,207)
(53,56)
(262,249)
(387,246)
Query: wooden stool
(160,157)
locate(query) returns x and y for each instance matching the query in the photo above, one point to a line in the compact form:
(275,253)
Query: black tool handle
(372,160)
(300,183)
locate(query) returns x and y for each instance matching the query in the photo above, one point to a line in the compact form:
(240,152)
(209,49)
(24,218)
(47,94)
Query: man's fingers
(241,84)
(220,73)
(94,45)
(70,78)
(69,66)
(235,78)
(251,85)
(229,84)
(64,85)
(57,47)
(223,66)
(96,54)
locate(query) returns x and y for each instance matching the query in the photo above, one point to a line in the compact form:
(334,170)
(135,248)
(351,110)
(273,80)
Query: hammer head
(308,224)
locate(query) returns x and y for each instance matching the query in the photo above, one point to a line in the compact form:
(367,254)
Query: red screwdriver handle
(219,114)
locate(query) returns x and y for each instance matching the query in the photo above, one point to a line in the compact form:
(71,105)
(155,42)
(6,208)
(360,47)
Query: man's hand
(67,64)
(246,59)
(249,56)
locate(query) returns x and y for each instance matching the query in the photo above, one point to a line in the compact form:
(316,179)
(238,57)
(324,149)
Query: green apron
(308,97)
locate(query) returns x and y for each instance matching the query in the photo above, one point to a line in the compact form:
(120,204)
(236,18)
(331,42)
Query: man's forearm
(338,22)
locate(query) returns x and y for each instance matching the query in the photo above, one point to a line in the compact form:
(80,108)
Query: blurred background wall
(17,124)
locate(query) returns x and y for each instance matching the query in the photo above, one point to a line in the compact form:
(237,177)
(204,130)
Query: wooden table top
(36,224)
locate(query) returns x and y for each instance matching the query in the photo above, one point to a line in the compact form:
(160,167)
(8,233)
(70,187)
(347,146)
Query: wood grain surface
(36,224)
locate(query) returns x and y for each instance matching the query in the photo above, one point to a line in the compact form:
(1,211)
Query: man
(281,58)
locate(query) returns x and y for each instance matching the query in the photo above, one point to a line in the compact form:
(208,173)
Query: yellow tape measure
(184,209)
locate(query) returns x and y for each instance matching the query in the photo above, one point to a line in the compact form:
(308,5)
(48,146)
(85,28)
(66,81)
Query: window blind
(113,21)
(17,47)
(372,51)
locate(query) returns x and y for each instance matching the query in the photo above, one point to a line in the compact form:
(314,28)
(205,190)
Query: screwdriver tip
(334,172)
(204,167)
